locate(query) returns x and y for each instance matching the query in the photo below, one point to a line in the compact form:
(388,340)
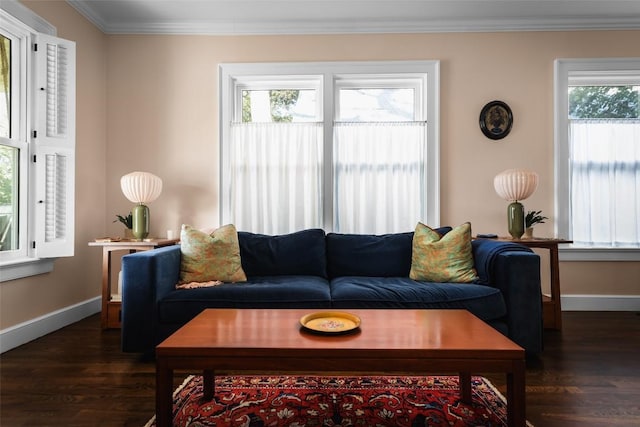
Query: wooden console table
(110,317)
(551,309)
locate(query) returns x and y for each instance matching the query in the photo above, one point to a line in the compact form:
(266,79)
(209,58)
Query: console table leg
(106,287)
(555,287)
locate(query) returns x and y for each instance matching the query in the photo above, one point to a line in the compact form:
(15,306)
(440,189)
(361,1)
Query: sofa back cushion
(387,255)
(300,253)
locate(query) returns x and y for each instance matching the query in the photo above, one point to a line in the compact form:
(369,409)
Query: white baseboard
(22,333)
(600,302)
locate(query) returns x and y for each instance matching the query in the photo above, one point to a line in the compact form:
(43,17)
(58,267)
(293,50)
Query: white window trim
(330,72)
(20,37)
(29,263)
(585,69)
(25,267)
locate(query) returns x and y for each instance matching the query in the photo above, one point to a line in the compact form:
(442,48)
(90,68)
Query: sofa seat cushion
(180,306)
(348,292)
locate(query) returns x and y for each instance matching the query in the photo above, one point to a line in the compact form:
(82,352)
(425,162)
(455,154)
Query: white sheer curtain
(605,182)
(276,176)
(378,176)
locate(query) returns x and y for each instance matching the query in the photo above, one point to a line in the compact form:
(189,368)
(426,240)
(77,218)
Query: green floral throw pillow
(446,259)
(210,257)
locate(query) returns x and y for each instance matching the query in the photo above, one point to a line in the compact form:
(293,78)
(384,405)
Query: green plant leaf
(126,220)
(534,217)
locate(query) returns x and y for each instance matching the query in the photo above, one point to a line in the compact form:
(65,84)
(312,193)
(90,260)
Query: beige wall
(162,116)
(76,279)
(163,111)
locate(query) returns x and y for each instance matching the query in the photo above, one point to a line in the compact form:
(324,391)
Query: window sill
(572,253)
(25,267)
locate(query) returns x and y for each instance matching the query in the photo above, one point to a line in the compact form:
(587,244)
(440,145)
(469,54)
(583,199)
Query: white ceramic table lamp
(141,188)
(515,185)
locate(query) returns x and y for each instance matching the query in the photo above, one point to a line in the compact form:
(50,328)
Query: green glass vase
(515,217)
(140,229)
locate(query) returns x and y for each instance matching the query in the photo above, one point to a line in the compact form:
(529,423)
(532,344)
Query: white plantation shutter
(54,146)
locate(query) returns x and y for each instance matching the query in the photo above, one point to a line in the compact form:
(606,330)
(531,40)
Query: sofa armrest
(515,270)
(146,277)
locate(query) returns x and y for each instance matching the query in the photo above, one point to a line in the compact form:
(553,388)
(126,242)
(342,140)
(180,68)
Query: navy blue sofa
(314,270)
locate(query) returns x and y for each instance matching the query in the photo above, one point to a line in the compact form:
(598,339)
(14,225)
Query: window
(348,147)
(37,146)
(598,157)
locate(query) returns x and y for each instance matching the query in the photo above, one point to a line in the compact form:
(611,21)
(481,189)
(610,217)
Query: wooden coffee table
(388,342)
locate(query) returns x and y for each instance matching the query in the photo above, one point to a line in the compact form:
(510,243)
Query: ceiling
(354,16)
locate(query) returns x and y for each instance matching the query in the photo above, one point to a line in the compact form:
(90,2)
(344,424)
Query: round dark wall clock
(496,120)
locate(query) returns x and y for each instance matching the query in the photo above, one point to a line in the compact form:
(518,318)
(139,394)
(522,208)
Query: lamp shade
(515,184)
(141,187)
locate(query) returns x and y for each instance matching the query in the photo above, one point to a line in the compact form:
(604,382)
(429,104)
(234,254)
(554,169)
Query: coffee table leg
(516,399)
(208,384)
(164,389)
(465,387)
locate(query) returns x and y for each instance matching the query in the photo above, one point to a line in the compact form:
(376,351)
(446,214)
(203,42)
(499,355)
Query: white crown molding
(395,27)
(349,24)
(26,16)
(88,12)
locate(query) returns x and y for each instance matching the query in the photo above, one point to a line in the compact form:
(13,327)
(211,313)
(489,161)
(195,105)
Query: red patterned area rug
(412,401)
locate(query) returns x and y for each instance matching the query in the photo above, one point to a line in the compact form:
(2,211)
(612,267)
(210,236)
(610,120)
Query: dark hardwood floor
(588,375)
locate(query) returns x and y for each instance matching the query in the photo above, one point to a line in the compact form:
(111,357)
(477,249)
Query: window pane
(377,105)
(604,102)
(276,173)
(5,87)
(8,198)
(605,172)
(279,105)
(378,177)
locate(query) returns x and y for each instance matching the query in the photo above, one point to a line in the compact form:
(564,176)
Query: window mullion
(328,117)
